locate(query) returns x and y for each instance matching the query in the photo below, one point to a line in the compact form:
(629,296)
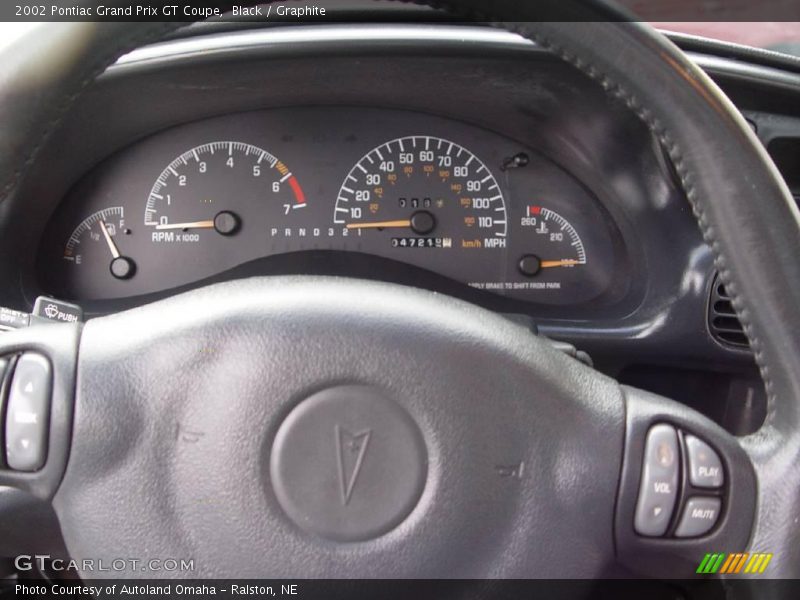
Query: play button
(348,464)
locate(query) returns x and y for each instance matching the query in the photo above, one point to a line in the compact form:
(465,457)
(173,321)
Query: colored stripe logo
(737,562)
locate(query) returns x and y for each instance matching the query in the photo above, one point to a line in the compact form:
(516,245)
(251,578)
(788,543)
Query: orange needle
(546,264)
(111,245)
(379,224)
(192,225)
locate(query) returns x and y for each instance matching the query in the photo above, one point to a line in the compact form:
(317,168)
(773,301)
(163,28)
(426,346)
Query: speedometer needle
(567,262)
(380,224)
(191,225)
(421,222)
(111,245)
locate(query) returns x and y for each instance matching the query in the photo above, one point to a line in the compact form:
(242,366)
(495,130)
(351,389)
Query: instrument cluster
(265,189)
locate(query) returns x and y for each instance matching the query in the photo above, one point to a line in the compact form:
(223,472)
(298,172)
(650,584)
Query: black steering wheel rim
(743,208)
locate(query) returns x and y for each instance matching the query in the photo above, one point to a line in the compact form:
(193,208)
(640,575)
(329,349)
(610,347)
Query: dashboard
(287,187)
(456,159)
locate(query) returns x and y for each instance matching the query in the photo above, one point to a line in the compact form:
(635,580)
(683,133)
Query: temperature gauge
(556,241)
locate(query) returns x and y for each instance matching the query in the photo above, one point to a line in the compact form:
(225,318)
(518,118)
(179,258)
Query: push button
(705,467)
(50,309)
(659,485)
(699,516)
(27,416)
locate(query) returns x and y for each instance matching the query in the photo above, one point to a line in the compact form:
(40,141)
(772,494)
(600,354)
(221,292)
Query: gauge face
(423,191)
(557,254)
(220,188)
(99,242)
(96,252)
(554,242)
(89,242)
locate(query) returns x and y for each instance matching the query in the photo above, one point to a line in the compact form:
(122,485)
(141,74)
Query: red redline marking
(535,210)
(298,191)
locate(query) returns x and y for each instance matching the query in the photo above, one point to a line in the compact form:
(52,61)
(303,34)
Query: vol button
(659,484)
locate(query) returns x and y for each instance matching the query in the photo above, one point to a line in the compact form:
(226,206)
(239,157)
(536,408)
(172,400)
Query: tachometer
(217,187)
(423,192)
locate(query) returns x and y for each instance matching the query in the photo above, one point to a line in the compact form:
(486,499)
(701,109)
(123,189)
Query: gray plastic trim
(455,35)
(242,40)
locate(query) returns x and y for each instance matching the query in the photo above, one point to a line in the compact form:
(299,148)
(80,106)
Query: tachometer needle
(224,222)
(567,262)
(111,245)
(380,224)
(191,225)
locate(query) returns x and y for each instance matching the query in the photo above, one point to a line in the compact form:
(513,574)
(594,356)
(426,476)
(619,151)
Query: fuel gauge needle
(121,267)
(111,245)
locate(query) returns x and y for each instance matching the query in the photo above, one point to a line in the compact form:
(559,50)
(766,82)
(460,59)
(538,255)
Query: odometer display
(423,192)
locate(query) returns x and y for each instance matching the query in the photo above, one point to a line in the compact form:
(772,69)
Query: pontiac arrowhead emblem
(351,448)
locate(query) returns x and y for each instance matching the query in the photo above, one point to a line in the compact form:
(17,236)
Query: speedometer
(423,192)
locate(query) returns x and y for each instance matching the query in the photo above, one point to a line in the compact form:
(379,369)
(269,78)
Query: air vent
(722,320)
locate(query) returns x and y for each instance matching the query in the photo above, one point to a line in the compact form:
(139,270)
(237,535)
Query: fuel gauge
(98,243)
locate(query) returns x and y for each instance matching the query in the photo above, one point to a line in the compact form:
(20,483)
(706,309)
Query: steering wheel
(319,427)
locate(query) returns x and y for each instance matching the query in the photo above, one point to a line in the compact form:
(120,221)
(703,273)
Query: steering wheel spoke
(686,486)
(37,384)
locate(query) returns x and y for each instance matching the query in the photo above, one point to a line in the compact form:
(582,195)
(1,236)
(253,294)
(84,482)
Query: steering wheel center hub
(348,464)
